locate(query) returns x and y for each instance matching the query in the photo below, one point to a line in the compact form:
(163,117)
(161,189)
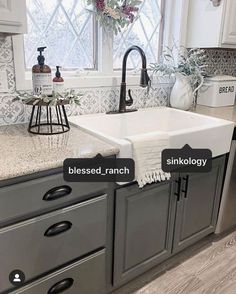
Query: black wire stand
(48,120)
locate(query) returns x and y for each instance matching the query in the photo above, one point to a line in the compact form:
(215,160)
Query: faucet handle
(131,100)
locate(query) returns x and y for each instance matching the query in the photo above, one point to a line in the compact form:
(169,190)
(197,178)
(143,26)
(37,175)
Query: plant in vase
(115,15)
(188,67)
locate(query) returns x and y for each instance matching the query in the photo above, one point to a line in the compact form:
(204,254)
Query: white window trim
(105,76)
(175,24)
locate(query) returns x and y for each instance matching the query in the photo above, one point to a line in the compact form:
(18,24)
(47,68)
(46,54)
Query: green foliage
(115,15)
(190,63)
(68,96)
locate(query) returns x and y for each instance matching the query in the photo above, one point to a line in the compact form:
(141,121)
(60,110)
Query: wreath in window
(115,15)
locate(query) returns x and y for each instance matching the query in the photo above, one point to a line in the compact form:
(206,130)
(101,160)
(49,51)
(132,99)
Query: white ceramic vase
(182,95)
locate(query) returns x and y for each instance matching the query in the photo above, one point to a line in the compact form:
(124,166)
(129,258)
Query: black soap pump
(42,75)
(41,58)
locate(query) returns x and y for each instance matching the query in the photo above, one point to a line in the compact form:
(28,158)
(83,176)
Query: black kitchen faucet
(144,80)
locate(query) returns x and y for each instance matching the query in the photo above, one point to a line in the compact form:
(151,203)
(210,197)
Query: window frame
(103,76)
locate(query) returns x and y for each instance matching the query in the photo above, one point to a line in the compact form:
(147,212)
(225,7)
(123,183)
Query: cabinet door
(143,229)
(229,24)
(203,23)
(13,16)
(197,209)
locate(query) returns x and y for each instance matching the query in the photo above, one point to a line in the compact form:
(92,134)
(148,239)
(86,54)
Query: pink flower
(127,9)
(131,17)
(100,4)
(129,12)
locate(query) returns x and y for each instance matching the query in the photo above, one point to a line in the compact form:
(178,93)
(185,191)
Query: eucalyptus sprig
(70,97)
(188,62)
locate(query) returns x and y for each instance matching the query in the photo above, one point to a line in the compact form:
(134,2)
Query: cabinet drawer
(86,277)
(30,198)
(44,243)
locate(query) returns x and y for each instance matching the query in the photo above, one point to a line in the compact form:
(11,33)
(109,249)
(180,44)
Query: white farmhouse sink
(199,131)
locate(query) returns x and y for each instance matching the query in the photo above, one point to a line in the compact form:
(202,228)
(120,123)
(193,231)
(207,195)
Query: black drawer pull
(58,228)
(177,193)
(61,286)
(185,190)
(57,192)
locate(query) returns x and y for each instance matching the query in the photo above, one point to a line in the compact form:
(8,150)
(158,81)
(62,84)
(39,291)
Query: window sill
(24,82)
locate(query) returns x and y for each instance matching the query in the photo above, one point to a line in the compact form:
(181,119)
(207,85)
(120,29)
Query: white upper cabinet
(229,27)
(13,16)
(211,26)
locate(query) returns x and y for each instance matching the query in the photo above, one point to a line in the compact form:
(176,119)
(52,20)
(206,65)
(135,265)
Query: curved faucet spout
(143,57)
(144,80)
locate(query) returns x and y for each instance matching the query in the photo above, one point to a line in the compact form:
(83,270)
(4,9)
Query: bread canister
(217,91)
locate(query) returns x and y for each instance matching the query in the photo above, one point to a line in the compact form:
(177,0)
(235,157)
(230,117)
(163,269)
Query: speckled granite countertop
(228,112)
(22,153)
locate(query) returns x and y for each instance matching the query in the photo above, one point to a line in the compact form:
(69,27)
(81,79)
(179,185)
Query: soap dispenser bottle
(42,76)
(58,82)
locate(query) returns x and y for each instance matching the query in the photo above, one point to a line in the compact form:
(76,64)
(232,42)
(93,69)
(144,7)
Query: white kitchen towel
(147,150)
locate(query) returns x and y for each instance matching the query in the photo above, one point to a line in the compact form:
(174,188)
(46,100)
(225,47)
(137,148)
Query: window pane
(144,32)
(66,28)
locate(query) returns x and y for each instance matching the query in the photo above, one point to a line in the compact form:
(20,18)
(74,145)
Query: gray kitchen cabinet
(133,229)
(197,208)
(143,229)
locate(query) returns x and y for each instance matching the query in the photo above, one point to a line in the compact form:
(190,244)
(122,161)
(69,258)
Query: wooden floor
(209,267)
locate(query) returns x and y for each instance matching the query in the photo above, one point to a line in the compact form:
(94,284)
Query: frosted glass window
(66,28)
(145,32)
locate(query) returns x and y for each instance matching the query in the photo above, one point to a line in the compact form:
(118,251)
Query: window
(144,32)
(66,28)
(75,41)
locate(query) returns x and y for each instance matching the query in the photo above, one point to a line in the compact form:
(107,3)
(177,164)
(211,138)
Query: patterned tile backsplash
(97,100)
(94,100)
(221,61)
